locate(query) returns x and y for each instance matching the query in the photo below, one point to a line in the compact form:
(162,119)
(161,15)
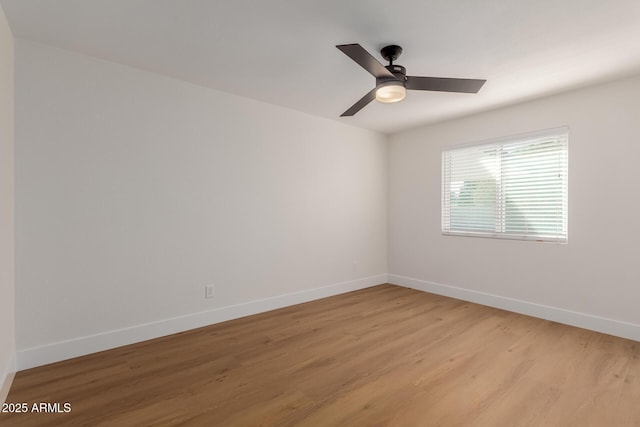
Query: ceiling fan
(392,81)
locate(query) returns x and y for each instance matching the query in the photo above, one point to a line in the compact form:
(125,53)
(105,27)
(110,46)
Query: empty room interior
(331,213)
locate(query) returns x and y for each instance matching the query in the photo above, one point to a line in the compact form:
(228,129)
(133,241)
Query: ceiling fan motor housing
(398,71)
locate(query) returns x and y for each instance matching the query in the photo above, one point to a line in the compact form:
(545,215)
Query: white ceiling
(283,51)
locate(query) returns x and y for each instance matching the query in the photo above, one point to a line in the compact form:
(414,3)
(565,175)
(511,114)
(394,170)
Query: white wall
(593,280)
(7,291)
(134,190)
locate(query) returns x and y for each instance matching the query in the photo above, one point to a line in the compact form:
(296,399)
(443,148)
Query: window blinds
(513,188)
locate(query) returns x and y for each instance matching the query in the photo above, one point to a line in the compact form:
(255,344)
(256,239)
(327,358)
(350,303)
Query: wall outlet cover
(209,291)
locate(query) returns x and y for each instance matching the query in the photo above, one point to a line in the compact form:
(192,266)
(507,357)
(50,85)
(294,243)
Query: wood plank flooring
(383,356)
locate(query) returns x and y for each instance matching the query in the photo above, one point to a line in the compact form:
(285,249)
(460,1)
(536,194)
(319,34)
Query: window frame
(561,135)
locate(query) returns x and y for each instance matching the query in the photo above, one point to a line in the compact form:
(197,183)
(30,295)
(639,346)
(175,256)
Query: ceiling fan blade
(444,84)
(360,104)
(365,60)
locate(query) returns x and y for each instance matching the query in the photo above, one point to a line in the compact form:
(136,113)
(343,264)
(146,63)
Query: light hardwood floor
(383,356)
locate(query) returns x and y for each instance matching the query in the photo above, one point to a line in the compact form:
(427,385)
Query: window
(513,188)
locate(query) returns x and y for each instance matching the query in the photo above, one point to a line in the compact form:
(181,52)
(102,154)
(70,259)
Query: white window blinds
(514,188)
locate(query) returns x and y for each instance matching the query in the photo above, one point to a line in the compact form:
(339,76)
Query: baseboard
(55,352)
(6,380)
(568,317)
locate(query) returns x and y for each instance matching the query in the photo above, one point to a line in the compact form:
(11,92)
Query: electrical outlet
(209,291)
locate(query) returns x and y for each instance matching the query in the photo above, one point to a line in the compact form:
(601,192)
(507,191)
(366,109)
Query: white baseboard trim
(568,317)
(6,380)
(62,350)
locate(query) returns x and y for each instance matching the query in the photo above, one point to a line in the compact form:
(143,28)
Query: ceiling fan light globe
(391,93)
